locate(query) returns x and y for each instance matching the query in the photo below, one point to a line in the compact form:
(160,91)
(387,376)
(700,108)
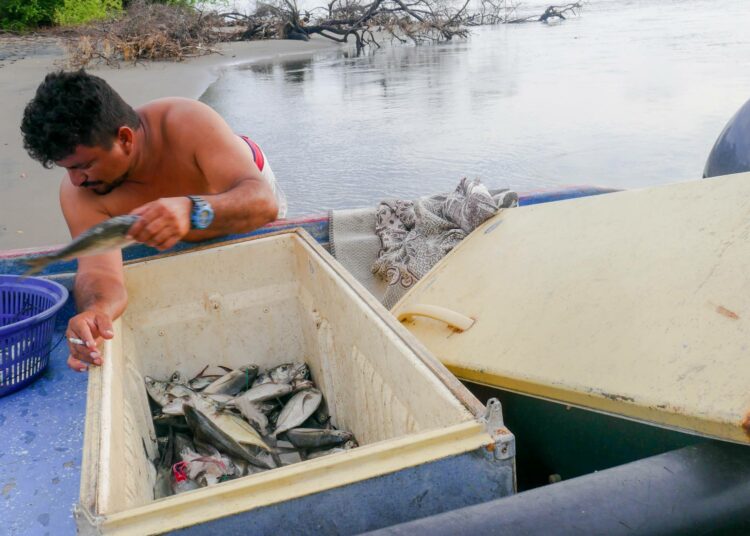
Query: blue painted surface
(413,493)
(42,425)
(40,450)
(535,198)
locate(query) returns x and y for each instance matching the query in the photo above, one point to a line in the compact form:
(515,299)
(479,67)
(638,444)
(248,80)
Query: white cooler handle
(455,320)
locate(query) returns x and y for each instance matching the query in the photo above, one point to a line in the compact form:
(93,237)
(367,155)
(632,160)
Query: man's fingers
(82,330)
(172,242)
(87,352)
(140,210)
(148,234)
(143,235)
(136,227)
(164,240)
(145,215)
(85,355)
(89,327)
(160,223)
(158,231)
(76,365)
(104,325)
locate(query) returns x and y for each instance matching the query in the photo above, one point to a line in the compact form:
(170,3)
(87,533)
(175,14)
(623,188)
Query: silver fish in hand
(108,235)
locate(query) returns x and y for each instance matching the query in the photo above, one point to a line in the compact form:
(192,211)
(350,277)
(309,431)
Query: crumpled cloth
(415,235)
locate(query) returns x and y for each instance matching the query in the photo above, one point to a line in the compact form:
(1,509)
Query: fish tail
(34,266)
(275,457)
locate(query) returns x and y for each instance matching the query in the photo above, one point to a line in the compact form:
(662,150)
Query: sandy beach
(29,210)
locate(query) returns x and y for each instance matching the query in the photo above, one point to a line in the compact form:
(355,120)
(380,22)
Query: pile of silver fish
(218,427)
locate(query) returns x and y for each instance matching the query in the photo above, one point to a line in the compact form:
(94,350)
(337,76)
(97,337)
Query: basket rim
(59,292)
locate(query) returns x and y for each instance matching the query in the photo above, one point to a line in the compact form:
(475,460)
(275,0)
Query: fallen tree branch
(551,13)
(158,31)
(145,32)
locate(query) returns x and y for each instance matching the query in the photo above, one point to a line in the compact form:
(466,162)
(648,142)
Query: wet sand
(29,210)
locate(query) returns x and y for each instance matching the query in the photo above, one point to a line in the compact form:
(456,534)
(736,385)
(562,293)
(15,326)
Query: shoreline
(30,215)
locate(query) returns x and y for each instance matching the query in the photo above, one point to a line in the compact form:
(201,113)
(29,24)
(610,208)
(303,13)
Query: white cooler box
(427,445)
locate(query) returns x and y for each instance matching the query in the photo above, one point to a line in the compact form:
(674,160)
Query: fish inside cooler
(226,423)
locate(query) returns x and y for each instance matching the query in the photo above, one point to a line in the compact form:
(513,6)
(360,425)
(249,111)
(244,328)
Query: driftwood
(504,12)
(151,31)
(551,13)
(415,21)
(146,32)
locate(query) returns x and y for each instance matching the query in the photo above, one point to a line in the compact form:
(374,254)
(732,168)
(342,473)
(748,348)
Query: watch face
(205,216)
(202,214)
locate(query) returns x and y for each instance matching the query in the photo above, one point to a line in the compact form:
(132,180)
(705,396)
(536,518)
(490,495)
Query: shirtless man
(143,161)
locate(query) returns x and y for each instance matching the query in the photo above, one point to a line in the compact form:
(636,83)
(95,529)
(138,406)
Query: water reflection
(627,95)
(262,69)
(296,71)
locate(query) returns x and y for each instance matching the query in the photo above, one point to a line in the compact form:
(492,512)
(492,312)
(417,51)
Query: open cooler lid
(635,303)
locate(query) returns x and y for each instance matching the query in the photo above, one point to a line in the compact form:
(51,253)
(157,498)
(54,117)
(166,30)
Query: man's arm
(245,206)
(241,199)
(99,285)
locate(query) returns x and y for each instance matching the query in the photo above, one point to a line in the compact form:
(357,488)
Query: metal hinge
(505,441)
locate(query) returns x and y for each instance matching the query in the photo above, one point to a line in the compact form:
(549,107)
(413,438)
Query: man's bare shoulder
(179,111)
(179,119)
(169,103)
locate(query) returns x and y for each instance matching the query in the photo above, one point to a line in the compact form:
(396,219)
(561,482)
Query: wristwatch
(202,214)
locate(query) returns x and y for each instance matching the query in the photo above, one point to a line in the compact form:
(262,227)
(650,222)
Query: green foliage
(184,3)
(24,14)
(80,11)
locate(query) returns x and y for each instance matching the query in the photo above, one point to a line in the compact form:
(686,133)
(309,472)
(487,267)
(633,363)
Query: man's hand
(90,327)
(162,223)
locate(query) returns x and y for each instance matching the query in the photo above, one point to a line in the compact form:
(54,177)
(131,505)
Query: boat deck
(40,457)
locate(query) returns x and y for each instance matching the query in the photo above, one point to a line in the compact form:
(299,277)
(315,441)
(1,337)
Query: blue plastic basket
(27,320)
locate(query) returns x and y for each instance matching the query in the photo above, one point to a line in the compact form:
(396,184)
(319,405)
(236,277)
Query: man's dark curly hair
(70,109)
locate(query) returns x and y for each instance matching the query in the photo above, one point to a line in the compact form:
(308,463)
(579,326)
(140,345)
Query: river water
(628,94)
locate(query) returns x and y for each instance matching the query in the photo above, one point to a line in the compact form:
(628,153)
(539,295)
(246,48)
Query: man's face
(96,168)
